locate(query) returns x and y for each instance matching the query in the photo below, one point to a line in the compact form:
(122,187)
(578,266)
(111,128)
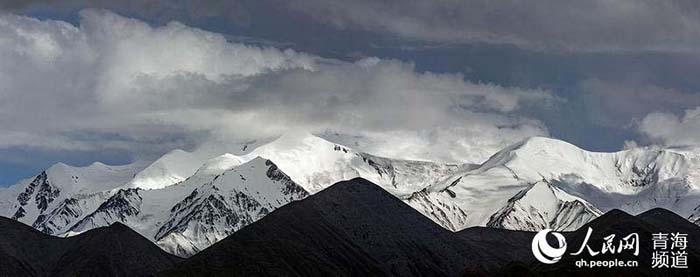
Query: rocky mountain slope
(632,180)
(543,206)
(351,228)
(56,197)
(355,227)
(189,216)
(187,201)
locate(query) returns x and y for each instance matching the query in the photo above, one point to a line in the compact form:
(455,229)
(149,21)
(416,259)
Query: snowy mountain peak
(296,135)
(312,162)
(537,142)
(543,206)
(59,166)
(98,165)
(171,168)
(534,147)
(298,139)
(625,172)
(93,178)
(187,201)
(232,200)
(59,196)
(222,197)
(220,164)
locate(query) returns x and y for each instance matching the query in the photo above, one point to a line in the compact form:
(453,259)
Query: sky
(449,81)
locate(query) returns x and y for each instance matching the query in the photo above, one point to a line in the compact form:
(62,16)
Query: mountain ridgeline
(351,228)
(106,251)
(185,202)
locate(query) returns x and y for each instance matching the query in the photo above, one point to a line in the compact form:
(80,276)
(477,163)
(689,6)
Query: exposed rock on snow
(185,203)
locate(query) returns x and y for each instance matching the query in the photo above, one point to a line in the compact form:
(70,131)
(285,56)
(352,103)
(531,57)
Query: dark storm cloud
(166,10)
(595,25)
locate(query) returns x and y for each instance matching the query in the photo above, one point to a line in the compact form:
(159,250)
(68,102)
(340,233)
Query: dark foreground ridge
(357,228)
(109,251)
(622,224)
(516,245)
(352,228)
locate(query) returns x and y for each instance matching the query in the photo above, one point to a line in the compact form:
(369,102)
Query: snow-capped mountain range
(186,202)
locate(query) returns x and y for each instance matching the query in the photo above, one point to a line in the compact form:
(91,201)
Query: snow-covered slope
(442,210)
(218,165)
(188,217)
(315,164)
(632,180)
(171,168)
(185,203)
(62,194)
(185,214)
(543,206)
(230,202)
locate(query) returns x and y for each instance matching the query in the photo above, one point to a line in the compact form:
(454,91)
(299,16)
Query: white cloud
(671,130)
(473,142)
(629,144)
(119,83)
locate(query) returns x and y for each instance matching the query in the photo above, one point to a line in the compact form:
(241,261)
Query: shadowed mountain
(352,228)
(356,228)
(516,246)
(621,224)
(109,251)
(513,247)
